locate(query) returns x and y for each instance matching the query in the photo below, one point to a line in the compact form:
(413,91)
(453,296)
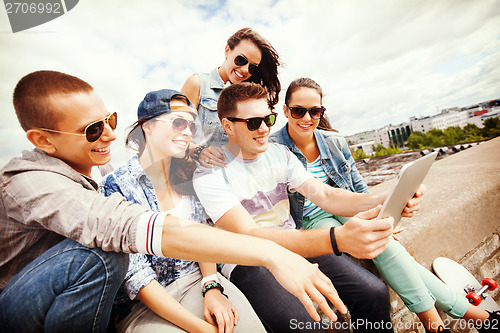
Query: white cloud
(378,62)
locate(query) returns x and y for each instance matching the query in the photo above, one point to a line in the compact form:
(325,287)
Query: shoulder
(278,151)
(274,137)
(192,81)
(333,137)
(191,89)
(115,179)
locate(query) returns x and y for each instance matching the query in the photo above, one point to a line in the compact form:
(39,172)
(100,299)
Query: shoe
(440,330)
(492,324)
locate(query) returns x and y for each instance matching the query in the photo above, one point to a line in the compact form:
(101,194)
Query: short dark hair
(32,97)
(236,93)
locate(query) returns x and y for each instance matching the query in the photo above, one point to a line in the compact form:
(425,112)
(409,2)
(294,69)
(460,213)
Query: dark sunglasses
(298,112)
(253,124)
(94,130)
(242,61)
(180,124)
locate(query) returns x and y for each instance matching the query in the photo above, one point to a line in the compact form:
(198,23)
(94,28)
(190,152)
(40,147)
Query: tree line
(437,138)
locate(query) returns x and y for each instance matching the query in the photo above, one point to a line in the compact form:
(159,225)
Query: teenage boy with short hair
(249,196)
(59,238)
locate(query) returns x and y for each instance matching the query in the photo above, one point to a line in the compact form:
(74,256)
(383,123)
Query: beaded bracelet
(213,285)
(334,242)
(197,152)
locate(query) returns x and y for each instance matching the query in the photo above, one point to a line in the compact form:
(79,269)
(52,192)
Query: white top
(259,185)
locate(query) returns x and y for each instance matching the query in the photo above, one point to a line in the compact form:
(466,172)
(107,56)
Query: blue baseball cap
(156,103)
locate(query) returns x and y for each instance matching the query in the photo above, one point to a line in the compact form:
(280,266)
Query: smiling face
(76,112)
(229,71)
(303,127)
(165,141)
(249,143)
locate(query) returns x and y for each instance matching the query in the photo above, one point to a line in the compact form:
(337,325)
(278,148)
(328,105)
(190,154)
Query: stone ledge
(459,219)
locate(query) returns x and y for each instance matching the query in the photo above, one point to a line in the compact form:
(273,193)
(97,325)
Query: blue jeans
(366,297)
(69,288)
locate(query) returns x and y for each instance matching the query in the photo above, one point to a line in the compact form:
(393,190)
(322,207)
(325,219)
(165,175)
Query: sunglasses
(94,130)
(242,61)
(180,124)
(253,124)
(298,112)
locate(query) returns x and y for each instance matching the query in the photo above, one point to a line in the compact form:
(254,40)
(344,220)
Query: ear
(227,49)
(41,139)
(147,127)
(227,126)
(285,110)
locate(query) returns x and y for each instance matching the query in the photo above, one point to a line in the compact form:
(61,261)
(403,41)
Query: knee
(378,294)
(115,264)
(98,263)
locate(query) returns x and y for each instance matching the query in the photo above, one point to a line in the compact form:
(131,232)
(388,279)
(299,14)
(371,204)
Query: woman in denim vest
(175,295)
(326,155)
(248,57)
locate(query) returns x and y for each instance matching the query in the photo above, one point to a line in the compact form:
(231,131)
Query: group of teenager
(214,225)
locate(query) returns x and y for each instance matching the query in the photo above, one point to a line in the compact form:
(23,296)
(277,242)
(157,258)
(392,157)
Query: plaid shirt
(43,201)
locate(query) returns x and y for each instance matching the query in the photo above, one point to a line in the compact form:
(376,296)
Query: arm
(357,180)
(215,155)
(294,273)
(308,243)
(216,305)
(191,89)
(338,201)
(155,297)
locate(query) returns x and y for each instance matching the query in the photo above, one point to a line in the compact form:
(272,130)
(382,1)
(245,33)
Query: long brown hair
(267,75)
(305,82)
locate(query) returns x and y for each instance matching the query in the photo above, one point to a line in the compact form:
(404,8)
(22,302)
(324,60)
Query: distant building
(366,147)
(440,121)
(397,135)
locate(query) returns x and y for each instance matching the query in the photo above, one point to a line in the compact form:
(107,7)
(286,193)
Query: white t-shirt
(259,185)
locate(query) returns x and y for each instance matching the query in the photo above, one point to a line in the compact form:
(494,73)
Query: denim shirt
(336,160)
(132,182)
(210,131)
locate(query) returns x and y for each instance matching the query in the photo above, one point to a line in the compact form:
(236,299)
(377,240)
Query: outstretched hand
(363,236)
(306,282)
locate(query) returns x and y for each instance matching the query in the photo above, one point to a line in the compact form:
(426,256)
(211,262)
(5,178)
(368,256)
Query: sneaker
(492,324)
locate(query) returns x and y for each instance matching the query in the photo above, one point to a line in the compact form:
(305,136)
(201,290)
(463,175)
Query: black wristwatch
(197,152)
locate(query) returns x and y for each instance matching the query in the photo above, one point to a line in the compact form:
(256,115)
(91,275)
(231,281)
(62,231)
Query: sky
(379,62)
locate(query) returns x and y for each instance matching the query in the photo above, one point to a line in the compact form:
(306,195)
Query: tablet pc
(409,179)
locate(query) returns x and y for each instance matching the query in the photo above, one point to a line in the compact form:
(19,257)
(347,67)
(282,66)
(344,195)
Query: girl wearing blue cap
(175,295)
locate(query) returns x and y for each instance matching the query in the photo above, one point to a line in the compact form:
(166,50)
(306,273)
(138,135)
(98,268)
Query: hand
(362,236)
(397,230)
(214,156)
(217,306)
(414,204)
(306,282)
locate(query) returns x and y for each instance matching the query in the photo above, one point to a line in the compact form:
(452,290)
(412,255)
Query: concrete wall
(459,219)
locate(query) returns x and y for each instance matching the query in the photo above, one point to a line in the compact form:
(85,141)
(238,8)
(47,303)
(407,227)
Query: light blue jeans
(69,288)
(419,289)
